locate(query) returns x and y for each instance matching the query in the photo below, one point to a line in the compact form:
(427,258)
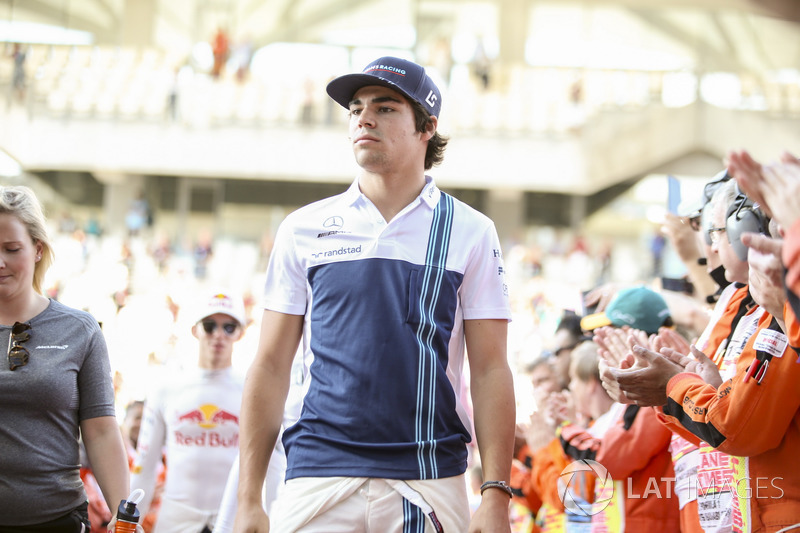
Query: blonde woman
(55,387)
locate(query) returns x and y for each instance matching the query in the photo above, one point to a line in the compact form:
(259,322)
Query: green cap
(637,307)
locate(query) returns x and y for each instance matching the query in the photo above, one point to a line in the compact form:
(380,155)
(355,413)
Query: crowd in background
(644,380)
(137,286)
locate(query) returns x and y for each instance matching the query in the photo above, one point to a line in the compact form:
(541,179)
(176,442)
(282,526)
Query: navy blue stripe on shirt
(432,275)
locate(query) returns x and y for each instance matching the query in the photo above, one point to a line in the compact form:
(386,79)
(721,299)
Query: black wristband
(502,485)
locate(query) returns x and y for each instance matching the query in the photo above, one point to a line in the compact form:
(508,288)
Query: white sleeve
(285,288)
(149,449)
(484,293)
(227,507)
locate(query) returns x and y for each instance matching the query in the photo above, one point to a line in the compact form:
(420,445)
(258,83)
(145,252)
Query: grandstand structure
(581,100)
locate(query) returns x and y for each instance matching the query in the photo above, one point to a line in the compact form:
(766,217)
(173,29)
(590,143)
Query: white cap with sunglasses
(220,301)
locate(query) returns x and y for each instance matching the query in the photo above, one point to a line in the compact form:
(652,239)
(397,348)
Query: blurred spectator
(629,442)
(242,55)
(202,253)
(567,336)
(775,187)
(93,227)
(604,257)
(721,397)
(533,437)
(220,48)
(66,223)
(197,420)
(130,427)
(307,109)
(442,57)
(161,252)
(173,95)
(635,307)
(18,82)
(481,65)
(138,216)
(657,245)
(688,235)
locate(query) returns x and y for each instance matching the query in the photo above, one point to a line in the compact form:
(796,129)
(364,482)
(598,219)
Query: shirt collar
(430,193)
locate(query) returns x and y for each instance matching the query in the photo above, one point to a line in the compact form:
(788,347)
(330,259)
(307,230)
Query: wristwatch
(502,485)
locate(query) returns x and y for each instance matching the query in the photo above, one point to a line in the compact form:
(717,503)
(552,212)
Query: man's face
(133,422)
(563,344)
(216,334)
(544,381)
(383,132)
(736,270)
(580,391)
(712,257)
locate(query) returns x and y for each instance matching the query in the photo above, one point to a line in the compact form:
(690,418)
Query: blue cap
(401,75)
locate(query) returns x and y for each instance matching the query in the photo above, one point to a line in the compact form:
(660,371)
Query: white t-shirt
(194,420)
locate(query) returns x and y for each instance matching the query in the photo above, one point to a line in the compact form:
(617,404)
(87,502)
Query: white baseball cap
(219,301)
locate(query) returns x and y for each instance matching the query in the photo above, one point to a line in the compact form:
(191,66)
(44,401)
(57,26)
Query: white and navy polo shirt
(384,306)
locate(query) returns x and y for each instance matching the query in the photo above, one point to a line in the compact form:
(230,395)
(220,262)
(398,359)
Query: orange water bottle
(128,514)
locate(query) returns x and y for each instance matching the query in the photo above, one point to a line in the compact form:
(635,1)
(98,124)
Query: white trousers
(369,505)
(175,517)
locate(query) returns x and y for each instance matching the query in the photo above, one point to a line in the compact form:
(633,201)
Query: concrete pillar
(506,207)
(138,23)
(117,199)
(182,205)
(577,212)
(513,31)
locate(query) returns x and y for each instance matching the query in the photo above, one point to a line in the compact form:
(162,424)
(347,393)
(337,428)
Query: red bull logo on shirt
(208,417)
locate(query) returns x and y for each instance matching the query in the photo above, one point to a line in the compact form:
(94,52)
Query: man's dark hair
(571,322)
(436,145)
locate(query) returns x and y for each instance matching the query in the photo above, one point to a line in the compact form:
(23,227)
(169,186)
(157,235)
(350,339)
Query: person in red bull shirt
(195,419)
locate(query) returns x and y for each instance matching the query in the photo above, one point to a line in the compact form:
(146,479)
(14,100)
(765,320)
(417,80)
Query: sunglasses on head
(18,355)
(209,326)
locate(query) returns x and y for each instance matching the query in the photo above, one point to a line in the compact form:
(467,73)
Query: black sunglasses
(18,355)
(228,327)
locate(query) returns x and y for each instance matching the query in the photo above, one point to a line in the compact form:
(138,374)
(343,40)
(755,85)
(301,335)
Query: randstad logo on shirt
(344,250)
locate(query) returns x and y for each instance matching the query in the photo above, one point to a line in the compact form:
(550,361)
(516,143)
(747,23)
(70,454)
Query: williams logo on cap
(403,76)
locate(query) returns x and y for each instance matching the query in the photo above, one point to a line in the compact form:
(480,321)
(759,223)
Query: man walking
(389,285)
